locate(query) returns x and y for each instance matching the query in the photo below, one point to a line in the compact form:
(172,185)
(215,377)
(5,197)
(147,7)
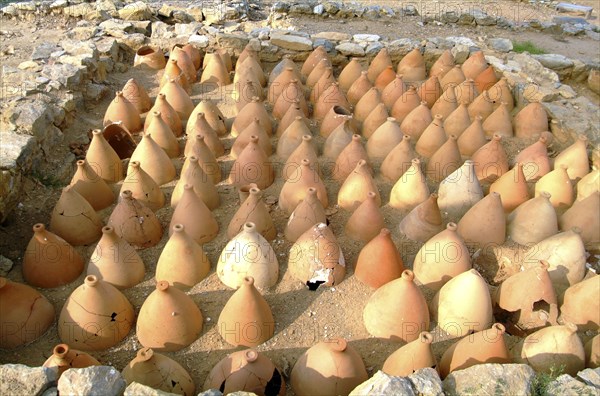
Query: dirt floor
(302,317)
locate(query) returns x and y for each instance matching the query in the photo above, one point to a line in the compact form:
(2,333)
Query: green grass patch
(527,46)
(542,380)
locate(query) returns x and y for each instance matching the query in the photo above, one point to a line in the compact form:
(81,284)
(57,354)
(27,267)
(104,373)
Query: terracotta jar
(292,138)
(458,121)
(194,53)
(246,371)
(385,318)
(588,184)
(150,57)
(367,220)
(380,62)
(121,109)
(226,57)
(584,215)
(453,78)
(463,304)
(485,346)
(91,186)
(535,160)
(246,318)
(331,367)
(512,187)
(348,159)
(167,113)
(202,184)
(474,65)
(26,314)
(499,122)
(356,188)
(290,116)
(558,185)
(458,192)
(96,316)
(393,91)
(115,261)
(441,258)
(310,211)
(411,357)
(482,106)
(137,95)
(253,129)
(486,79)
(316,258)
(417,121)
(531,121)
(120,140)
(178,99)
(358,88)
(215,71)
(406,103)
(533,220)
(592,352)
(174,72)
(245,89)
(398,160)
(182,261)
(280,82)
(501,92)
(213,115)
(349,74)
(202,128)
(472,139)
(332,119)
(106,162)
(442,65)
(432,138)
(64,358)
(410,189)
(135,222)
(206,159)
(292,92)
(190,208)
(293,164)
(445,104)
(322,84)
(575,158)
(366,104)
(169,320)
(284,64)
(466,92)
(430,91)
(254,109)
(162,135)
(248,254)
(424,221)
(143,187)
(154,160)
(554,346)
(74,219)
(379,261)
(253,210)
(158,372)
(385,77)
(384,139)
(484,224)
(252,166)
(251,65)
(374,120)
(313,59)
(490,160)
(412,66)
(445,161)
(294,189)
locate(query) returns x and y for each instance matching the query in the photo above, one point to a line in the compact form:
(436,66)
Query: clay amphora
(458,121)
(206,159)
(294,189)
(162,135)
(316,258)
(592,352)
(246,318)
(339,138)
(135,222)
(442,65)
(169,319)
(305,150)
(379,261)
(384,139)
(252,166)
(357,186)
(245,90)
(445,104)
(575,158)
(393,91)
(331,367)
(178,99)
(167,113)
(332,119)
(424,221)
(246,371)
(466,92)
(350,73)
(531,121)
(255,211)
(410,189)
(150,57)
(322,84)
(254,109)
(453,78)
(143,187)
(512,188)
(486,79)
(103,158)
(472,138)
(417,121)
(213,115)
(121,109)
(96,316)
(202,128)
(120,139)
(366,104)
(313,59)
(474,65)
(291,93)
(482,106)
(248,254)
(380,62)
(385,318)
(445,161)
(588,184)
(182,261)
(244,191)
(558,185)
(252,66)
(26,314)
(374,120)
(520,293)
(366,221)
(490,160)
(459,191)
(501,92)
(485,346)
(115,261)
(411,357)
(309,212)
(348,158)
(582,304)
(584,215)
(499,122)
(64,358)
(137,95)
(398,160)
(174,72)
(535,160)
(406,103)
(91,186)
(194,54)
(159,372)
(226,57)
(154,160)
(430,91)
(49,261)
(432,138)
(533,220)
(203,185)
(74,219)
(463,305)
(215,70)
(358,88)
(552,347)
(292,137)
(384,78)
(277,86)
(189,209)
(412,66)
(290,116)
(484,224)
(441,258)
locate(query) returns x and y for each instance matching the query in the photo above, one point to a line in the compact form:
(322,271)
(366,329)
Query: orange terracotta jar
(411,357)
(379,262)
(64,358)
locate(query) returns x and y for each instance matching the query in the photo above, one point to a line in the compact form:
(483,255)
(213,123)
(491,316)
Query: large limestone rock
(136,389)
(296,43)
(383,384)
(138,11)
(92,381)
(490,379)
(565,385)
(18,379)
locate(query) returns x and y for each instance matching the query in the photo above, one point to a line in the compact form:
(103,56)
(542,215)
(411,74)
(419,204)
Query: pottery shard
(491,379)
